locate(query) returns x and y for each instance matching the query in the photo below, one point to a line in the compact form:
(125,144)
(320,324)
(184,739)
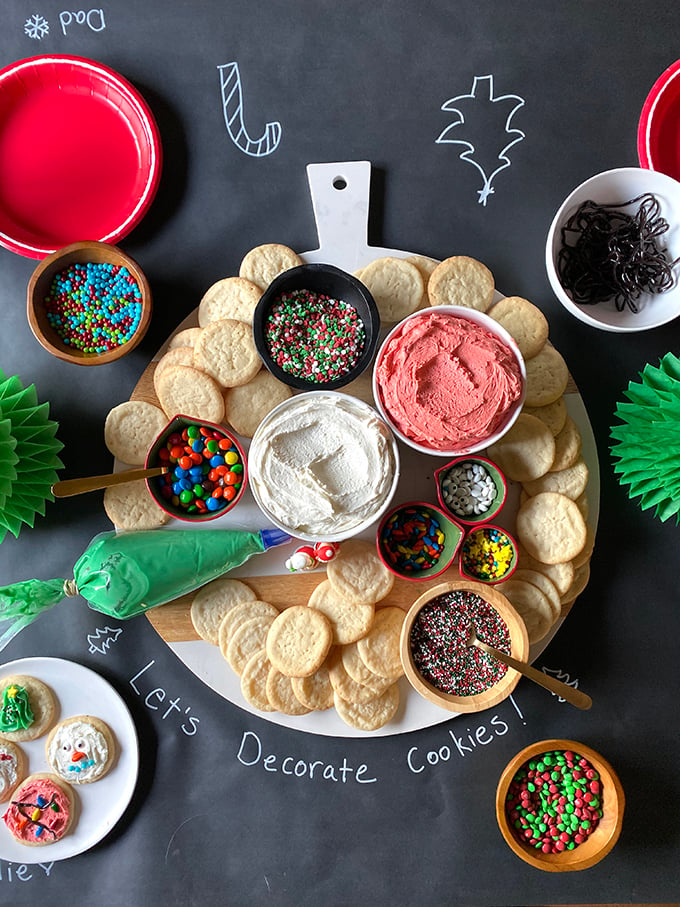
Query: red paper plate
(658,136)
(80,154)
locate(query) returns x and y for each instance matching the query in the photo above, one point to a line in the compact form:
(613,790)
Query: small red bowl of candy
(418,541)
(488,555)
(207,472)
(579,793)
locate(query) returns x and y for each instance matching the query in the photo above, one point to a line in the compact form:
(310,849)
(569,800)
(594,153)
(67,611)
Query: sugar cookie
(568,445)
(358,574)
(553,414)
(81,749)
(281,694)
(212,602)
(131,428)
(524,321)
(12,768)
(178,355)
(232,297)
(371,715)
(545,584)
(561,575)
(379,649)
(315,691)
(426,266)
(263,263)
(184,390)
(27,708)
(239,614)
(547,377)
(226,351)
(551,528)
(246,405)
(571,481)
(531,605)
(254,682)
(461,280)
(131,506)
(396,285)
(186,337)
(349,620)
(299,640)
(526,451)
(41,811)
(248,638)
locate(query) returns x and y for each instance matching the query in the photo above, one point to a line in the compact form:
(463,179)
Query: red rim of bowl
(174,424)
(426,574)
(665,89)
(477,579)
(483,518)
(141,122)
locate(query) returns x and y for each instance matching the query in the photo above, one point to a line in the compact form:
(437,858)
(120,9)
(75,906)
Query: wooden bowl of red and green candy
(559,805)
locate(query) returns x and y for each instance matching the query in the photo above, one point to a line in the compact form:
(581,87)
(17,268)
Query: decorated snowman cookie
(81,749)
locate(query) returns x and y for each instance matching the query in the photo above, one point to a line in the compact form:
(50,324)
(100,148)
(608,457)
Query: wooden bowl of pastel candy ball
(488,554)
(559,805)
(89,303)
(207,470)
(471,489)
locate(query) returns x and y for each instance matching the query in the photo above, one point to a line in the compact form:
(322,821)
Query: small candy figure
(326,551)
(302,559)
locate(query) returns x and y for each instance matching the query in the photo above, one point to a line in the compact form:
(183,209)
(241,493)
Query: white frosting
(8,771)
(322,464)
(86,743)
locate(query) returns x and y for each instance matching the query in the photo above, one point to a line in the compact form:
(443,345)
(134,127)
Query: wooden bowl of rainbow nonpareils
(89,303)
(438,661)
(559,805)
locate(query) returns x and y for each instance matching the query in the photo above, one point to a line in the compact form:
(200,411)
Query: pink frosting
(447,383)
(18,817)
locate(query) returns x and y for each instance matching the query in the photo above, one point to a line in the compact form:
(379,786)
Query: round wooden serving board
(342,218)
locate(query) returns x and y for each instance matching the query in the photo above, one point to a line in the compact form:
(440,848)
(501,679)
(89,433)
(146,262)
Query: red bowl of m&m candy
(207,470)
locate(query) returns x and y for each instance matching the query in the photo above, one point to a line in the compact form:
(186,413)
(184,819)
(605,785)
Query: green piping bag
(124,574)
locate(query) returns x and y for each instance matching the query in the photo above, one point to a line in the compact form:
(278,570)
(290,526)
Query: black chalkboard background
(362,81)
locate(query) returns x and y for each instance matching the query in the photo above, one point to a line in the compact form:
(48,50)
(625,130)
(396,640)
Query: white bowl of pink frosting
(449,381)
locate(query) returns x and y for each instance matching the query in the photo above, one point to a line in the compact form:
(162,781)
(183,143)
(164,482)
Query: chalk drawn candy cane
(232,102)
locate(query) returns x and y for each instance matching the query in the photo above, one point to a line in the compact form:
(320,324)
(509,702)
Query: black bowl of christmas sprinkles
(316,327)
(438,661)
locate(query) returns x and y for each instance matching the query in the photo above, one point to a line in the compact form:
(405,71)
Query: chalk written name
(460,744)
(22,873)
(91,18)
(156,699)
(251,753)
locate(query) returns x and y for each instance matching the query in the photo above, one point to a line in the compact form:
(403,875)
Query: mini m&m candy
(206,472)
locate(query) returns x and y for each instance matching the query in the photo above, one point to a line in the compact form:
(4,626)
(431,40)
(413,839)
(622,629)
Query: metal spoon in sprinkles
(573,696)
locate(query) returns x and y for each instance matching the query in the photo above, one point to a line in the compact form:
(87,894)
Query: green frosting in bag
(123,574)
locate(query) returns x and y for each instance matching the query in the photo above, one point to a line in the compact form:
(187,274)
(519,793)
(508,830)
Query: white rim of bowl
(654,176)
(360,527)
(480,318)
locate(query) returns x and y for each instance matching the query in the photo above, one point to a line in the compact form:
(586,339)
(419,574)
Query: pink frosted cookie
(41,810)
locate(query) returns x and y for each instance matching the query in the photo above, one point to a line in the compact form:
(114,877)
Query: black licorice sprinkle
(439,643)
(608,254)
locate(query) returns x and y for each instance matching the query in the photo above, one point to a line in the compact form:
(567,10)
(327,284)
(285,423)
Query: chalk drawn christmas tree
(483,127)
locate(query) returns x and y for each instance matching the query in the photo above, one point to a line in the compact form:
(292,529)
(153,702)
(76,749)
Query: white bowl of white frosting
(323,466)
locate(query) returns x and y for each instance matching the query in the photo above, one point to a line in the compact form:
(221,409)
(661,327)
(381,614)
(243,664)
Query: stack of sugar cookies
(336,650)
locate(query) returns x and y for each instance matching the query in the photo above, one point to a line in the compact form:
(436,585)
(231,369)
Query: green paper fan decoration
(28,456)
(648,440)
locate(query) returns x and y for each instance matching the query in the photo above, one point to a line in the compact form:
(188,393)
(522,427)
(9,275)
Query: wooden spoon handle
(69,487)
(575,697)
